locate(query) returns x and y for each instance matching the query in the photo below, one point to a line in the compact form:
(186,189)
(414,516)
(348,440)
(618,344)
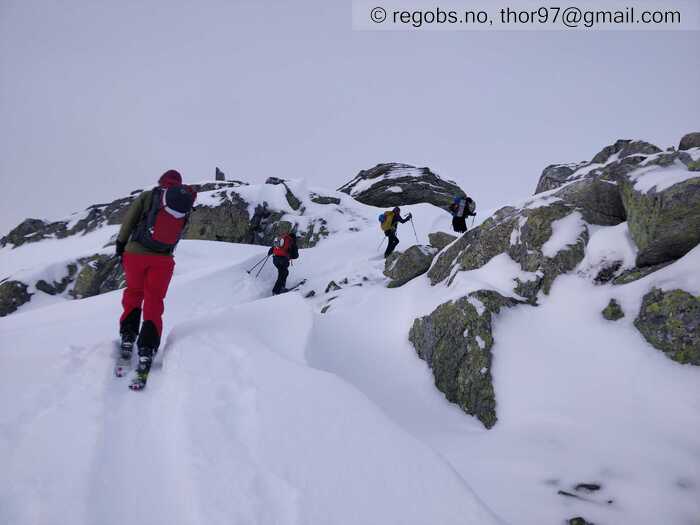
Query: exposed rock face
(664,224)
(691,140)
(388,185)
(624,148)
(219,175)
(670,321)
(613,311)
(401,267)
(522,235)
(98,274)
(13,294)
(555,175)
(634,274)
(228,221)
(440,240)
(456,340)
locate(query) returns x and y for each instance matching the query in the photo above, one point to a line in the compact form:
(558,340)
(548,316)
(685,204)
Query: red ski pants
(147,280)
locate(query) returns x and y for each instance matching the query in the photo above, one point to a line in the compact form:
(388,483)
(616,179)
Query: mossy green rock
(13,294)
(98,274)
(440,240)
(401,267)
(665,225)
(613,311)
(456,341)
(670,321)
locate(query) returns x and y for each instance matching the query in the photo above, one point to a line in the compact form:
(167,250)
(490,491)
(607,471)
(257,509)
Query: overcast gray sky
(98,98)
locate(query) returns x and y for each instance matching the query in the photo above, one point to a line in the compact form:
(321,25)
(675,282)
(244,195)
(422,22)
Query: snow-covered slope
(265,410)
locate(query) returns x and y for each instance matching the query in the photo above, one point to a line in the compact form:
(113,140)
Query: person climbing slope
(390,221)
(284,248)
(146,243)
(461,208)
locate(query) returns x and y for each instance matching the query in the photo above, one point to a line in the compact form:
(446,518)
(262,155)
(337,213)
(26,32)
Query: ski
(297,286)
(123,364)
(138,382)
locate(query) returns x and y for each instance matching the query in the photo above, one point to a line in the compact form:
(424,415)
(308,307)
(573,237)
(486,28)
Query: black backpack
(293,248)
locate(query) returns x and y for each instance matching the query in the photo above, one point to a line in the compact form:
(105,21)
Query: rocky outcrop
(689,141)
(456,341)
(227,221)
(522,235)
(624,148)
(670,322)
(556,175)
(613,311)
(440,240)
(664,223)
(13,294)
(388,185)
(401,267)
(98,274)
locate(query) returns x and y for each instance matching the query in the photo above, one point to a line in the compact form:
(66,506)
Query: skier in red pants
(146,242)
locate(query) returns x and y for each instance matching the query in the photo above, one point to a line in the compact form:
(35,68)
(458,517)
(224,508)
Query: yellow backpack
(387,221)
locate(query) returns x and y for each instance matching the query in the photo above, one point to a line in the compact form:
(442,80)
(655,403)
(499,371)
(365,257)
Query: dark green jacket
(135,213)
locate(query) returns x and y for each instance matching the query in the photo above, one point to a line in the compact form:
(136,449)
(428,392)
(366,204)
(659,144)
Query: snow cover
(565,232)
(263,410)
(659,178)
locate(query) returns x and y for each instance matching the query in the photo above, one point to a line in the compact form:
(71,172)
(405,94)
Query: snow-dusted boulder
(97,274)
(555,175)
(613,311)
(393,184)
(670,321)
(690,141)
(662,202)
(13,294)
(546,238)
(401,267)
(440,240)
(456,341)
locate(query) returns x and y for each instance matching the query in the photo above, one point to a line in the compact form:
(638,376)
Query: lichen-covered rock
(228,221)
(13,294)
(624,148)
(393,184)
(332,287)
(401,267)
(556,175)
(98,274)
(456,341)
(522,235)
(440,240)
(664,223)
(598,199)
(634,274)
(613,311)
(670,322)
(322,199)
(578,520)
(689,141)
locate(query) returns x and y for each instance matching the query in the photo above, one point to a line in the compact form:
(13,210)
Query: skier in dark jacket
(461,208)
(283,249)
(145,244)
(390,232)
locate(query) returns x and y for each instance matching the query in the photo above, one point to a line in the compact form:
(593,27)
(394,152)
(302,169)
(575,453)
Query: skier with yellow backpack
(389,221)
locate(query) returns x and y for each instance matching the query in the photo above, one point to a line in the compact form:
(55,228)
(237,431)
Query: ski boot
(142,370)
(126,347)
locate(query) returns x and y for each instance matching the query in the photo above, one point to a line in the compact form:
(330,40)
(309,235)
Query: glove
(120,249)
(269,252)
(410,216)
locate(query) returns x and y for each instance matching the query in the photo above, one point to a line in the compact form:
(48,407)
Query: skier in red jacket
(283,249)
(146,242)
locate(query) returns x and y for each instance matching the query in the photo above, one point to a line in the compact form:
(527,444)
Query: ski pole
(263,266)
(473,217)
(256,264)
(414,231)
(380,244)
